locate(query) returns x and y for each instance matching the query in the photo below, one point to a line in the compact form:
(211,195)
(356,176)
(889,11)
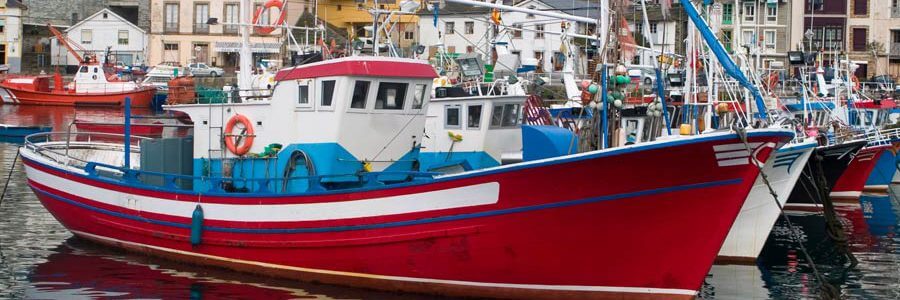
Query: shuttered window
(859,39)
(860,7)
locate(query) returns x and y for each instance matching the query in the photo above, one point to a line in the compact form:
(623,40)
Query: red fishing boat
(852,182)
(626,222)
(91,86)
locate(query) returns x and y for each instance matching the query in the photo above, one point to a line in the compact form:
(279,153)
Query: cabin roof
(360,66)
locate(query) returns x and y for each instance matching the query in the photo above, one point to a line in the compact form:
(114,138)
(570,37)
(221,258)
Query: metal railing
(49,145)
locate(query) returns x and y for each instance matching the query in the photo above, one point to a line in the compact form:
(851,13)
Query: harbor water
(40,259)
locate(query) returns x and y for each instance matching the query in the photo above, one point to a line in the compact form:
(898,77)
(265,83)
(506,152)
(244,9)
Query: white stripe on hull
(846,194)
(401,278)
(467,196)
(750,230)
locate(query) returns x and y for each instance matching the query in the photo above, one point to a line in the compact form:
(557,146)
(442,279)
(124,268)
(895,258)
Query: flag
(626,41)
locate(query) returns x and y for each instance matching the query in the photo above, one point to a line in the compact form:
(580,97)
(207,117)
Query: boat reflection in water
(81,269)
(782,271)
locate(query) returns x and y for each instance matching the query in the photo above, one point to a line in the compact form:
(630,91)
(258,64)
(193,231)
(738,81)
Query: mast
(727,64)
(246,56)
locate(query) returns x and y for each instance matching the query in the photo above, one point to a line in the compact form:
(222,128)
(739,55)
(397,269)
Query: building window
(861,7)
(727,37)
(473,118)
(827,38)
(749,12)
(859,39)
(540,31)
(87,36)
(170,47)
(470,27)
(123,37)
(517,31)
(771,13)
(530,16)
(231,17)
(409,35)
(2,28)
(339,7)
(539,56)
(264,16)
(769,37)
(391,95)
(171,17)
(518,54)
(2,53)
(448,28)
(817,4)
(653,27)
(470,49)
(201,15)
(360,93)
(327,92)
(749,38)
(727,13)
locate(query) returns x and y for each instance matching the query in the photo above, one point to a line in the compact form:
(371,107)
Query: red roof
(356,66)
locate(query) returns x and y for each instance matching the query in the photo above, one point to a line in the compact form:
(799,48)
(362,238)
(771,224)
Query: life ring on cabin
(855,82)
(231,141)
(268,28)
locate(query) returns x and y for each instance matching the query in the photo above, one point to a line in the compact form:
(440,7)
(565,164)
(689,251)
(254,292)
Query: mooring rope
(9,176)
(834,227)
(827,291)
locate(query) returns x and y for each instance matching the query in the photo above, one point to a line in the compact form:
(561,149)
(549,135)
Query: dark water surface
(39,259)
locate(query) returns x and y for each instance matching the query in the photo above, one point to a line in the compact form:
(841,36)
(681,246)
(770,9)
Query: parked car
(201,69)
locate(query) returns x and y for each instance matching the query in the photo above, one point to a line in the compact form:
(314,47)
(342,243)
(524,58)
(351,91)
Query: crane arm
(65,41)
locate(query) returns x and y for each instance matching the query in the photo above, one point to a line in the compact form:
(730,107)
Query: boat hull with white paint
(760,211)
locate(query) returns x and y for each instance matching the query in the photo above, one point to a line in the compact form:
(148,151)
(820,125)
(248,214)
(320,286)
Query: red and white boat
(91,86)
(852,182)
(353,208)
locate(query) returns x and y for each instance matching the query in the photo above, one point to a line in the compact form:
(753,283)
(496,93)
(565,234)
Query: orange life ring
(231,141)
(268,28)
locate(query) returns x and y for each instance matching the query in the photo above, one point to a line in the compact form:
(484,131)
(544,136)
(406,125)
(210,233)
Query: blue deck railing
(57,150)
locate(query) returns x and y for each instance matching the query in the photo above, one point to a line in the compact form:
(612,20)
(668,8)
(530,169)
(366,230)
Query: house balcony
(895,50)
(201,28)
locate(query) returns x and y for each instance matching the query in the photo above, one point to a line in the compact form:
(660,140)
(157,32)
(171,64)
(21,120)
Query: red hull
(139,98)
(630,223)
(852,182)
(136,129)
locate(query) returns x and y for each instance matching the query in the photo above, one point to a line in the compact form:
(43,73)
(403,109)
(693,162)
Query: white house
(462,29)
(101,31)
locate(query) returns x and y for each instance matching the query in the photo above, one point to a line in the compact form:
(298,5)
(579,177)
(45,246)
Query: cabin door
(633,130)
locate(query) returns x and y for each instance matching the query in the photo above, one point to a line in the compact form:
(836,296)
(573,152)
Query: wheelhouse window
(452,117)
(327,92)
(303,95)
(419,98)
(473,116)
(391,95)
(360,93)
(505,116)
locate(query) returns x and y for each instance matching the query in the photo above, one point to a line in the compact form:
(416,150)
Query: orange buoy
(268,28)
(231,141)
